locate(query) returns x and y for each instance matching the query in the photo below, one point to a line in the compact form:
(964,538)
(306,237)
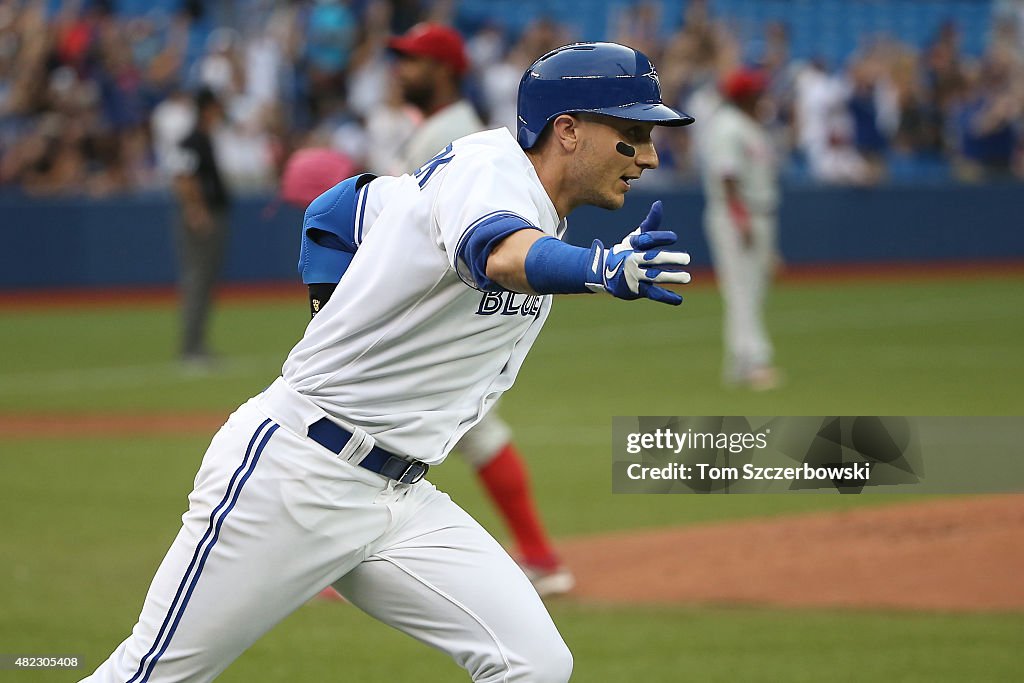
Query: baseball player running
(320,478)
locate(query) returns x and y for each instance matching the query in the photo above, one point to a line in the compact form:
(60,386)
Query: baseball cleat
(760,378)
(764,378)
(199,364)
(550,582)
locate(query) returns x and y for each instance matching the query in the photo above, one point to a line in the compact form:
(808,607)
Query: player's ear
(565,130)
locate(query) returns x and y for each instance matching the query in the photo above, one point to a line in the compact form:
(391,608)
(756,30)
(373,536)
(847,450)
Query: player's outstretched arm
(506,264)
(528,261)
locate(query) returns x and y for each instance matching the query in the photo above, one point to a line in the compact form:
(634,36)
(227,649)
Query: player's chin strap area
(333,437)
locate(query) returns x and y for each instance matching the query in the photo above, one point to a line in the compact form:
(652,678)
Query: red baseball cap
(744,83)
(438,42)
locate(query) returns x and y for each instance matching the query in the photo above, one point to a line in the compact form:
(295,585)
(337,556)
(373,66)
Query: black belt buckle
(333,438)
(404,471)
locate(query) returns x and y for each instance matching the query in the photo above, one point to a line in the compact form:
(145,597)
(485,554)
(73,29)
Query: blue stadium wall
(129,241)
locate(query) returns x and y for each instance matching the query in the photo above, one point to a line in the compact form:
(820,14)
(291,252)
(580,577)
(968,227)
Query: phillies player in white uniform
(741,188)
(319,478)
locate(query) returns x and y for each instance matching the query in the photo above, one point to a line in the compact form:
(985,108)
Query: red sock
(508,484)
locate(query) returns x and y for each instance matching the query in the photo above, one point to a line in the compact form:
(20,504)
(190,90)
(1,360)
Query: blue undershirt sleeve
(477,243)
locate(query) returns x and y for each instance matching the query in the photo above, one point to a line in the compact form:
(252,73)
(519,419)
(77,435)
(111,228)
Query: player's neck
(553,178)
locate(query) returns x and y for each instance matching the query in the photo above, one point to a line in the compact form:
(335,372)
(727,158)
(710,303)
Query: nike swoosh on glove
(634,267)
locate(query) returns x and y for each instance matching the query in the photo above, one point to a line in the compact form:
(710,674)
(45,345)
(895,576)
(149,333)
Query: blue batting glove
(634,267)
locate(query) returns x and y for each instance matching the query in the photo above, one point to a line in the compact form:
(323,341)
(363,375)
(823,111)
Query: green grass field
(85,521)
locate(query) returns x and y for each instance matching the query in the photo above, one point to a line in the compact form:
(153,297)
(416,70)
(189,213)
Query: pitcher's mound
(959,554)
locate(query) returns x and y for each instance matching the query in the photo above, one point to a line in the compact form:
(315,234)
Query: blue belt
(333,437)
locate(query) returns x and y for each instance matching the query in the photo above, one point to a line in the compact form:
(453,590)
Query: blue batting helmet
(601,78)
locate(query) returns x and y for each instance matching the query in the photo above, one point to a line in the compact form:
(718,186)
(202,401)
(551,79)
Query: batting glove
(634,267)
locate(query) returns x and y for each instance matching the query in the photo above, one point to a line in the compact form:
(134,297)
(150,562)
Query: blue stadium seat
(830,28)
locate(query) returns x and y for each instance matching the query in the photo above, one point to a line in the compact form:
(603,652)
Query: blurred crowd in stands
(92,100)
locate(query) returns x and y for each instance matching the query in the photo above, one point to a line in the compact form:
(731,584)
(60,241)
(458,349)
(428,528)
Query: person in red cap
(740,183)
(431,61)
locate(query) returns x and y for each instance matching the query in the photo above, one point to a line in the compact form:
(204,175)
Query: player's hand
(741,219)
(634,267)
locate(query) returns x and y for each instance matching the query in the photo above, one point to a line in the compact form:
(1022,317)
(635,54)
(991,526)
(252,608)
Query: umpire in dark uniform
(202,225)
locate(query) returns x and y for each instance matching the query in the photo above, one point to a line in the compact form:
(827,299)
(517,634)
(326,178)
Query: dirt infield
(962,554)
(954,555)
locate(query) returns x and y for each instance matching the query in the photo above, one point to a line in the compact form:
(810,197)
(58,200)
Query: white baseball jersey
(436,131)
(407,349)
(736,145)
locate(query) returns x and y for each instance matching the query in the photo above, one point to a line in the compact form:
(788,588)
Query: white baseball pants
(274,518)
(744,276)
